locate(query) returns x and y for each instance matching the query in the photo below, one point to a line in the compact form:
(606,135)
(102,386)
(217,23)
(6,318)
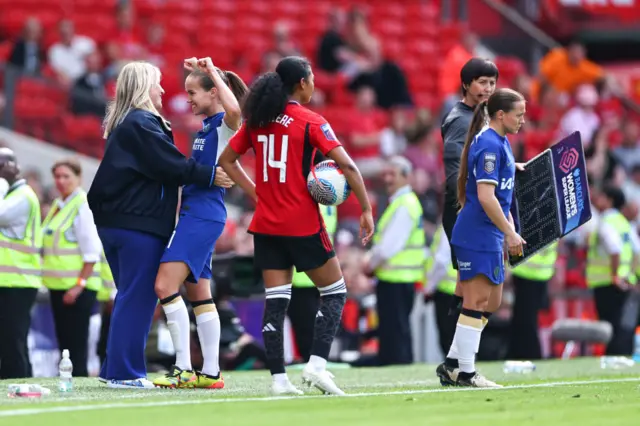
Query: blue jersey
(490,161)
(207,203)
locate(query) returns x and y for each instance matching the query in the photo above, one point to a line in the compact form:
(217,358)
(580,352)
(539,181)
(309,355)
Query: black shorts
(449,216)
(280,252)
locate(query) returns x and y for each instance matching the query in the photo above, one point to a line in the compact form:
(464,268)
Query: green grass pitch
(575,392)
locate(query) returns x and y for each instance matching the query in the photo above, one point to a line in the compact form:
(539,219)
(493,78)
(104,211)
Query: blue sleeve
(486,165)
(158,158)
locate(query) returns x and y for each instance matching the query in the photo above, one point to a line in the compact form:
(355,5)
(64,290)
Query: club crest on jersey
(489,162)
(328,132)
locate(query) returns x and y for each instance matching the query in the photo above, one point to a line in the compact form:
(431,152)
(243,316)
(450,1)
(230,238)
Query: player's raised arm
(231,91)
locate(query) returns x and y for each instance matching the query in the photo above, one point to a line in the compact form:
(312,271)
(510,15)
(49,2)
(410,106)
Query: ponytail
(267,99)
(477,122)
(236,85)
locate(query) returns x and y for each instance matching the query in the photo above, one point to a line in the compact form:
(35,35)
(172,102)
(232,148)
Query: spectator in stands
(393,139)
(20,244)
(628,153)
(282,43)
(113,60)
(566,68)
(582,117)
(387,79)
(89,91)
(602,165)
(364,139)
(27,54)
(126,37)
(71,262)
(155,44)
(67,56)
(357,55)
(269,62)
(333,54)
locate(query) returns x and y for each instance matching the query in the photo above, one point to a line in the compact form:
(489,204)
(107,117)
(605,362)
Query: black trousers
(303,306)
(446,323)
(610,301)
(394,305)
(524,341)
(72,327)
(15,320)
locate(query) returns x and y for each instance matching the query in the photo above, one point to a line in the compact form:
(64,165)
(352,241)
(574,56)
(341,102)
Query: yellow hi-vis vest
(62,260)
(539,267)
(107,285)
(408,265)
(448,283)
(20,262)
(330,217)
(599,262)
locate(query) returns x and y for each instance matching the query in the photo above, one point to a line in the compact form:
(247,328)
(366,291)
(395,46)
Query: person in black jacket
(134,199)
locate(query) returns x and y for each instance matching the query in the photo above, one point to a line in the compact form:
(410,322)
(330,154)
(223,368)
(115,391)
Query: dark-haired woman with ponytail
(485,192)
(217,95)
(287,226)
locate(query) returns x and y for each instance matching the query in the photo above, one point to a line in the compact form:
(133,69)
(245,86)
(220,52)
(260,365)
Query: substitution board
(551,196)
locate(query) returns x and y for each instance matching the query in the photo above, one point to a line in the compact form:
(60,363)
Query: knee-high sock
(275,309)
(332,299)
(179,328)
(208,324)
(467,339)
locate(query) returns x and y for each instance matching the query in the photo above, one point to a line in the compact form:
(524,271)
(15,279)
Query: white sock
(179,328)
(209,335)
(281,378)
(317,364)
(465,342)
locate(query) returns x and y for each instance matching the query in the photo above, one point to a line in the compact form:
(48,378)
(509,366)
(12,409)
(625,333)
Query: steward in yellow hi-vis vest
(71,262)
(612,247)
(305,299)
(397,260)
(441,285)
(530,282)
(20,266)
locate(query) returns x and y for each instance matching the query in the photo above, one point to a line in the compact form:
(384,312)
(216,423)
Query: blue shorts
(487,263)
(192,243)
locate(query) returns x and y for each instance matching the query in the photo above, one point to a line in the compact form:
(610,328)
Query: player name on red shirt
(283,155)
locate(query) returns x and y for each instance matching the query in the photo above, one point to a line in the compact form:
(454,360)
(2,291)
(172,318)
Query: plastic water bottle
(636,346)
(615,362)
(65,369)
(518,367)
(26,390)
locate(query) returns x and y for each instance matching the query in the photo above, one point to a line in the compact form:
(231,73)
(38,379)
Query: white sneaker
(284,388)
(322,380)
(131,384)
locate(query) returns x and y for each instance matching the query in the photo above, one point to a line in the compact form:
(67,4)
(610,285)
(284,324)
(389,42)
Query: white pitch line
(95,407)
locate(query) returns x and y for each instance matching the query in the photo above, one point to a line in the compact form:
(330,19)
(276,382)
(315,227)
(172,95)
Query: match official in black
(478,79)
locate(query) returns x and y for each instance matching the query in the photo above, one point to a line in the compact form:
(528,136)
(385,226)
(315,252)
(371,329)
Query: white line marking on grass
(94,407)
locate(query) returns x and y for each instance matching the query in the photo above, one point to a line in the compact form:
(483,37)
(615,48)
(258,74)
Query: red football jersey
(283,156)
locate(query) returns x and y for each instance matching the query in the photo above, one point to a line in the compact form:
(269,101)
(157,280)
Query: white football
(329,185)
